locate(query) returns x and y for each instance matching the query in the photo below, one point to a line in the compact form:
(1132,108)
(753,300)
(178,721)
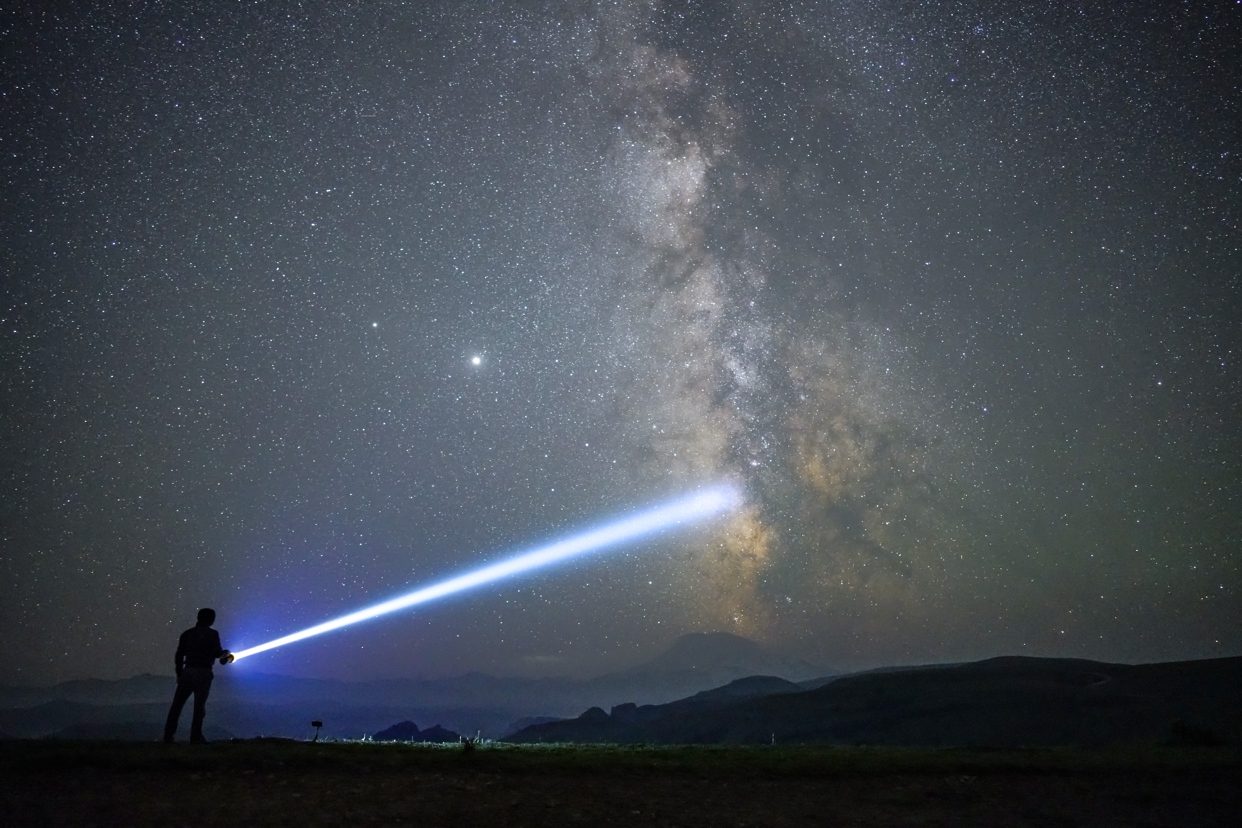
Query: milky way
(307,304)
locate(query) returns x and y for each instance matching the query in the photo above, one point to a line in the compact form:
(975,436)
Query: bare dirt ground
(447,790)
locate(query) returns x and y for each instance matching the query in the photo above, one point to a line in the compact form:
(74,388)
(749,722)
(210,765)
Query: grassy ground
(272,782)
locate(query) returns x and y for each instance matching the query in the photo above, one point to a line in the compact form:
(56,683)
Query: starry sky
(304,304)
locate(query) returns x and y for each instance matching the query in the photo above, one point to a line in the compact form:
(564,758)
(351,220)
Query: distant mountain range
(1000,702)
(408,732)
(707,688)
(251,704)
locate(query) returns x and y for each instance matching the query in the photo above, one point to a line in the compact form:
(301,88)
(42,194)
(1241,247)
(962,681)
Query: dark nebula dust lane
(307,304)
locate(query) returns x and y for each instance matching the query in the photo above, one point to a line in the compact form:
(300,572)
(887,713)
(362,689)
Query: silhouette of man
(198,648)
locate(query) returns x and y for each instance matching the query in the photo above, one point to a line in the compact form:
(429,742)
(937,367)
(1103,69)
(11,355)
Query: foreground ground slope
(299,784)
(1000,702)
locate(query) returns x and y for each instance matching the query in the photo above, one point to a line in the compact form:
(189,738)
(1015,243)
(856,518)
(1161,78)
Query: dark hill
(1011,701)
(597,726)
(407,731)
(720,656)
(745,688)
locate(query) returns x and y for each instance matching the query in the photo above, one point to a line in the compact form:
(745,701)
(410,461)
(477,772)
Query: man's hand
(227,658)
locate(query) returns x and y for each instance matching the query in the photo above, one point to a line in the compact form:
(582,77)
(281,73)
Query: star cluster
(307,303)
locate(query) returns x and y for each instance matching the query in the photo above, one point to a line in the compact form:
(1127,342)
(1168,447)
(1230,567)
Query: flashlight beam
(684,510)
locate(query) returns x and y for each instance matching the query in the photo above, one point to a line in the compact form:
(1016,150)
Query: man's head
(207,616)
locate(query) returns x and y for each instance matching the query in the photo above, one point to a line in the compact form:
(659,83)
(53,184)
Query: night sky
(305,304)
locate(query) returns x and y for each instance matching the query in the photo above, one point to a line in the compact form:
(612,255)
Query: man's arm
(179,658)
(224,655)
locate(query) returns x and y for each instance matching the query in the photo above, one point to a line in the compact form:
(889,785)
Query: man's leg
(202,686)
(184,689)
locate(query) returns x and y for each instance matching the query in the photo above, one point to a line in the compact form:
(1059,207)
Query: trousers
(193,681)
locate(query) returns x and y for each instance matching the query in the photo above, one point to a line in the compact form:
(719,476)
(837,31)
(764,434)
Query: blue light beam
(684,510)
